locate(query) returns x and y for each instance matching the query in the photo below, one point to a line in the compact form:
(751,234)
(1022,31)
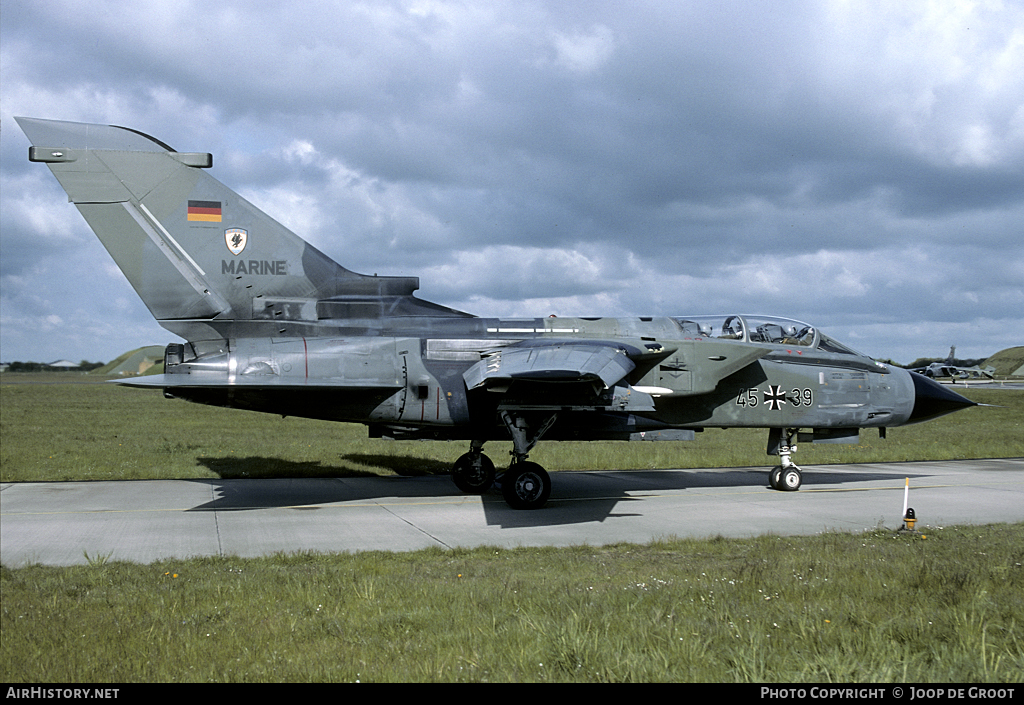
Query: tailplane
(199,255)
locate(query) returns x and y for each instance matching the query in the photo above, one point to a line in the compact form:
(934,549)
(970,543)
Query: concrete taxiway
(64,523)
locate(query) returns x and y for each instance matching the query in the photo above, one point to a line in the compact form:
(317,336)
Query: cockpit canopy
(762,329)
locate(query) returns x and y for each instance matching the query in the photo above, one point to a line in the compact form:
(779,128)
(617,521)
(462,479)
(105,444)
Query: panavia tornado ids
(272,324)
(949,368)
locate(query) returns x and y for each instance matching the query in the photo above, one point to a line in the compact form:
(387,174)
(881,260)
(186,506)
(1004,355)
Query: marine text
(254,266)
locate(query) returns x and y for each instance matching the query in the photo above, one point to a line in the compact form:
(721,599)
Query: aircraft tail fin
(197,253)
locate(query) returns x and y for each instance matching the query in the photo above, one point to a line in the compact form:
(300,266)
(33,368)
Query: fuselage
(406,374)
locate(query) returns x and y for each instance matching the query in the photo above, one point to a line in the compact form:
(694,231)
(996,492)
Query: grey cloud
(802,159)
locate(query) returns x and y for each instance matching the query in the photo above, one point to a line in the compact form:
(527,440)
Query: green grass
(60,431)
(873,607)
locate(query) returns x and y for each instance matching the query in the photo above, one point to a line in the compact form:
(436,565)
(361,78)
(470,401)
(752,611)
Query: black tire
(526,485)
(773,477)
(473,473)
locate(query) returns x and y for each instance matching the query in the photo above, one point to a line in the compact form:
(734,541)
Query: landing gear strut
(787,476)
(525,485)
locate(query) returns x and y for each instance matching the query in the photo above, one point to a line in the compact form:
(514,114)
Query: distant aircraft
(949,369)
(275,325)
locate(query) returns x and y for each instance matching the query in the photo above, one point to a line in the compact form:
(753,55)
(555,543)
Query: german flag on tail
(208,211)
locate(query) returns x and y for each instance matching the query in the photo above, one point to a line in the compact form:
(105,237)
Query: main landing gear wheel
(525,485)
(773,477)
(473,473)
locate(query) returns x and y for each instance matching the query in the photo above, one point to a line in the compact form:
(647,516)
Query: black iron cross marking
(774,397)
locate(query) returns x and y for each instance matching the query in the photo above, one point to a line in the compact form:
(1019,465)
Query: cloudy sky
(857,165)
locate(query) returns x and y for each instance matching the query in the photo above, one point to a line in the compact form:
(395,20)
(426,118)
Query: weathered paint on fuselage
(408,374)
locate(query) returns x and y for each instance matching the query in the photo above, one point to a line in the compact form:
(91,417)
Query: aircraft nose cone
(931,399)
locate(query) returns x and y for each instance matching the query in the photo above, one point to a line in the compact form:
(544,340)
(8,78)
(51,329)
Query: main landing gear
(524,485)
(473,472)
(787,476)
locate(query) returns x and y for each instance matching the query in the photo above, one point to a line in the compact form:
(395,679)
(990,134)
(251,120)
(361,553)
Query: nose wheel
(785,479)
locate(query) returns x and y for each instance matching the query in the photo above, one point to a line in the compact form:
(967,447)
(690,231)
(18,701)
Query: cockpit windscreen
(761,329)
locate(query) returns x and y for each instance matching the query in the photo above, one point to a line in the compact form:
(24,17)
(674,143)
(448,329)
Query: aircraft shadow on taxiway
(252,483)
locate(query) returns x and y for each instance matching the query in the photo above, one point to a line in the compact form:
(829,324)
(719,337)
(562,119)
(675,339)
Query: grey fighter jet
(272,324)
(950,369)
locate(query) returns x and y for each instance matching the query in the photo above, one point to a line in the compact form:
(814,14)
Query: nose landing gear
(786,477)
